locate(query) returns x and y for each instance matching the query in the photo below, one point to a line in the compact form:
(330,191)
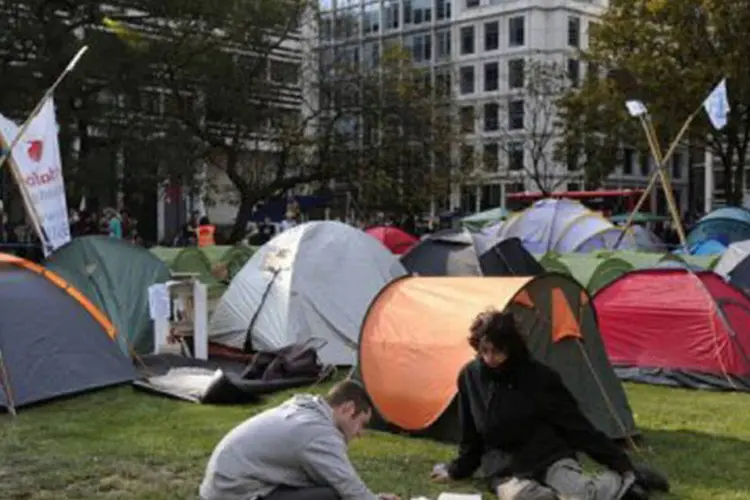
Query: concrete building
(481,50)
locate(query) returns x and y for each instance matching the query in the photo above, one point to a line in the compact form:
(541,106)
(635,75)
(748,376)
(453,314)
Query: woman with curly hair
(521,424)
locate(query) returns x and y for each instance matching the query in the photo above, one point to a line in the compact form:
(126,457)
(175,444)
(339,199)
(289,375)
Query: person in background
(114,224)
(206,232)
(296,451)
(527,435)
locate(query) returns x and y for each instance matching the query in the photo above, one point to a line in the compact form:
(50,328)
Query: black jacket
(520,419)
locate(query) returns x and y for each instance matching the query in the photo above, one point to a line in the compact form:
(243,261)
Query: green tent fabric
(193,260)
(166,254)
(236,257)
(115,276)
(551,262)
(703,261)
(641,260)
(482,219)
(581,266)
(606,272)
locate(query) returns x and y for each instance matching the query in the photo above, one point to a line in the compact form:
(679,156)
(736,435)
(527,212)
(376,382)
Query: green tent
(581,266)
(608,270)
(115,276)
(703,261)
(166,254)
(479,220)
(550,261)
(415,318)
(236,257)
(641,260)
(194,261)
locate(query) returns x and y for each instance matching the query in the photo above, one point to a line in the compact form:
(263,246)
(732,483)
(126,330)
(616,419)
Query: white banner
(37,156)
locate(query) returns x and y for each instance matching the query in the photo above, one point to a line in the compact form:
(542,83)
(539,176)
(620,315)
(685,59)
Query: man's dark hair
(349,391)
(500,330)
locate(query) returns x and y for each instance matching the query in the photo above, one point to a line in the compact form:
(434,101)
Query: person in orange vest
(206,232)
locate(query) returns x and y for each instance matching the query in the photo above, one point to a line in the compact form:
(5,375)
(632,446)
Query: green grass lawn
(125,444)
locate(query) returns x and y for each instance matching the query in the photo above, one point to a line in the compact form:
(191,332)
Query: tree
(233,72)
(37,40)
(405,137)
(669,55)
(528,124)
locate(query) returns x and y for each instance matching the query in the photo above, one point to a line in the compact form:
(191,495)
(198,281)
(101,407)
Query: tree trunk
(239,228)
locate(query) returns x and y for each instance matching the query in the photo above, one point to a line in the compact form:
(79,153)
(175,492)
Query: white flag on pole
(717,105)
(37,156)
(636,108)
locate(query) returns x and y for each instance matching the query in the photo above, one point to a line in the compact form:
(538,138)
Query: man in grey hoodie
(296,451)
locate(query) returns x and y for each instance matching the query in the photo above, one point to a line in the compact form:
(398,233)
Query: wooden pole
(661,161)
(25,196)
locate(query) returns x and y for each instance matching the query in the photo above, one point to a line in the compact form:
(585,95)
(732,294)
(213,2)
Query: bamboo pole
(656,174)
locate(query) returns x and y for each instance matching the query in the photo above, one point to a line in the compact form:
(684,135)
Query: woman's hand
(440,474)
(388,496)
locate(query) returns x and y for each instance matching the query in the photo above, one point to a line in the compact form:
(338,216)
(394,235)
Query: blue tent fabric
(708,247)
(726,225)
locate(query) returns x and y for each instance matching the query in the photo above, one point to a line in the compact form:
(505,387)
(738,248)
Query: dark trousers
(316,493)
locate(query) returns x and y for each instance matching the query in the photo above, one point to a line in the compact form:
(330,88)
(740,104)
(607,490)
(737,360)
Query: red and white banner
(37,157)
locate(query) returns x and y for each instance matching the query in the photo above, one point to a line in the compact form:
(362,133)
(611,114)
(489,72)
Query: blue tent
(725,226)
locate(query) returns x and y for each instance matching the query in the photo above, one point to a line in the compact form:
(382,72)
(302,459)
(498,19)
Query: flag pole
(655,174)
(25,197)
(47,94)
(8,151)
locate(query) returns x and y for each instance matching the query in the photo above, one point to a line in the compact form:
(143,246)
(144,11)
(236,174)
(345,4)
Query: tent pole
(5,382)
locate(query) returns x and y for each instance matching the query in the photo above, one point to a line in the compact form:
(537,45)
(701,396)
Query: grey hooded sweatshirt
(296,445)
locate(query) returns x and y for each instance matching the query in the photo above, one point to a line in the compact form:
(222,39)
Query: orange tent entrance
(413,343)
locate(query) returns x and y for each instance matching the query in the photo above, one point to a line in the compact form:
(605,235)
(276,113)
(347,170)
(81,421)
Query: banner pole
(25,197)
(47,95)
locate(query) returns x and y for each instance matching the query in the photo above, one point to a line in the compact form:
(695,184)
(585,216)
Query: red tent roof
(396,240)
(670,320)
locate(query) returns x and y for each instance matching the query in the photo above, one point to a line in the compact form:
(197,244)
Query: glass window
(574,71)
(491,112)
(517,31)
(443,9)
(574,31)
(467,40)
(491,76)
(628,161)
(516,69)
(515,157)
(490,156)
(516,114)
(467,119)
(371,19)
(443,44)
(466,74)
(491,36)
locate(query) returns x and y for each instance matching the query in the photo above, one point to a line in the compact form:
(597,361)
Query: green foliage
(669,55)
(404,136)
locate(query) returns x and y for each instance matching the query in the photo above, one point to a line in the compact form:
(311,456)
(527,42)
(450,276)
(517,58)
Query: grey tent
(53,341)
(463,253)
(115,276)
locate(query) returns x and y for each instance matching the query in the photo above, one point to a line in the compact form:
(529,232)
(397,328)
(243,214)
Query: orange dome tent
(413,343)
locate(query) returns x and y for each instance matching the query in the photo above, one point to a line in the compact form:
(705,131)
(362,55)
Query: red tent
(396,240)
(668,326)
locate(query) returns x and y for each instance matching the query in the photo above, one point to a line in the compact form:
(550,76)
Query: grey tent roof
(463,253)
(51,346)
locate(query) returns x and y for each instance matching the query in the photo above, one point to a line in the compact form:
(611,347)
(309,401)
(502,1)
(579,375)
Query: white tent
(313,281)
(735,254)
(563,226)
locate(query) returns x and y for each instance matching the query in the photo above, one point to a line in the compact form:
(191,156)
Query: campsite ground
(124,444)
